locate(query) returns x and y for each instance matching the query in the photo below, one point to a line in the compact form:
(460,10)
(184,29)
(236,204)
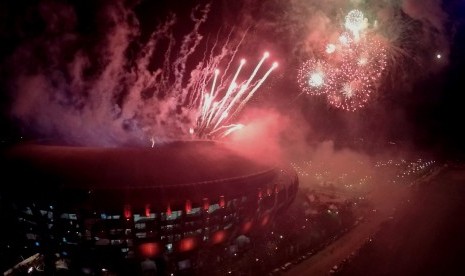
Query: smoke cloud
(414,31)
(110,85)
(270,136)
(101,78)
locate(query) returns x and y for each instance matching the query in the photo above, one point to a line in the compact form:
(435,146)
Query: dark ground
(425,237)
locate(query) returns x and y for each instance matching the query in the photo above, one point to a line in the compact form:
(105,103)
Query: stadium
(97,208)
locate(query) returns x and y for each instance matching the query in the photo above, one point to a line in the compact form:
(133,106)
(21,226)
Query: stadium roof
(195,168)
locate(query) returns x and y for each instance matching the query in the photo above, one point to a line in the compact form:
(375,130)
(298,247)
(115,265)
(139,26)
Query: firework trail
(217,106)
(143,88)
(207,97)
(350,69)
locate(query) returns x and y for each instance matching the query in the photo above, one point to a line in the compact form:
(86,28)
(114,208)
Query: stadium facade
(96,206)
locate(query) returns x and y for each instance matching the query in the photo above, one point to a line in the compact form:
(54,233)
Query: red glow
(127,212)
(188,206)
(222,202)
(149,249)
(187,244)
(206,204)
(168,210)
(246,226)
(268,191)
(260,194)
(219,237)
(276,189)
(147,210)
(265,220)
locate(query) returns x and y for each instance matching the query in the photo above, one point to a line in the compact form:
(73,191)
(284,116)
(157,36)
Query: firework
(350,69)
(315,77)
(217,107)
(355,22)
(330,48)
(192,98)
(360,71)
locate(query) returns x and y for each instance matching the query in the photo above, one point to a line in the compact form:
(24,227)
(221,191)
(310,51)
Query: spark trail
(199,101)
(169,87)
(218,107)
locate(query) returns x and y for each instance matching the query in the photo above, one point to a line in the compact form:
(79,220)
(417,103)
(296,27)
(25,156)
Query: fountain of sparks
(221,103)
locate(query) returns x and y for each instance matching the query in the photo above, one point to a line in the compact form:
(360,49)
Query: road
(426,238)
(385,198)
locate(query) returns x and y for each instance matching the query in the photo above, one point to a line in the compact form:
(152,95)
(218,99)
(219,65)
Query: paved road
(385,199)
(428,236)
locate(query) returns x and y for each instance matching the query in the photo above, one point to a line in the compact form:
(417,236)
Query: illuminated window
(141,235)
(168,227)
(116,242)
(151,216)
(194,212)
(174,215)
(140,225)
(213,208)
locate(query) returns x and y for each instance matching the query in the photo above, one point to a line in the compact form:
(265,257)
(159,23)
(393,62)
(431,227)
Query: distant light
(30,270)
(438,56)
(330,48)
(316,79)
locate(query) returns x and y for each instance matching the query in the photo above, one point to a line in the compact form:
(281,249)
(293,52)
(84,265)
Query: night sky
(420,106)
